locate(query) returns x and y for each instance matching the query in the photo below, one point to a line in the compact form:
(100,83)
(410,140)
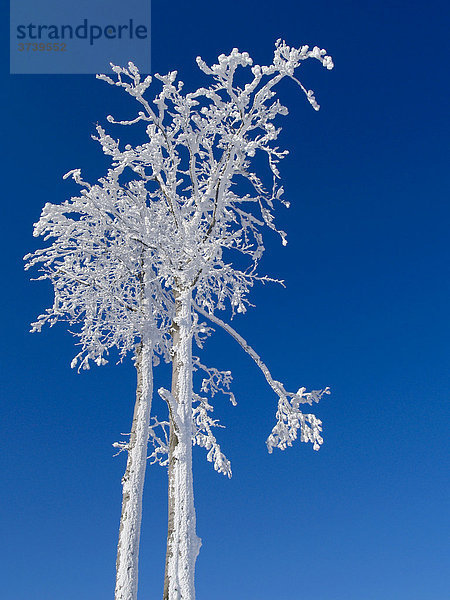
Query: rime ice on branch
(150,247)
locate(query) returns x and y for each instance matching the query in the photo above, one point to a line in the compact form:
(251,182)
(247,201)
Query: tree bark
(183,545)
(133,479)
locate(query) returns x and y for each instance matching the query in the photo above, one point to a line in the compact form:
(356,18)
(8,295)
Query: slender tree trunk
(133,480)
(183,544)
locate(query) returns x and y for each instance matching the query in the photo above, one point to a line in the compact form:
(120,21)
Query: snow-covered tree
(162,236)
(103,268)
(199,159)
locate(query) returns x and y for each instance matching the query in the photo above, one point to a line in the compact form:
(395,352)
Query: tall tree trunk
(183,545)
(133,479)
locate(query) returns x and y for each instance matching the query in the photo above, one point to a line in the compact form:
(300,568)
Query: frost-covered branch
(215,381)
(289,416)
(204,437)
(123,446)
(290,419)
(159,442)
(202,434)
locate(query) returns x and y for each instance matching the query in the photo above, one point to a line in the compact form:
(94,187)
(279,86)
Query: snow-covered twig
(215,381)
(290,419)
(121,445)
(204,437)
(160,442)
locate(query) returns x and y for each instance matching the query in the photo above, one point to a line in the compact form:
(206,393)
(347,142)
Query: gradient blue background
(365,312)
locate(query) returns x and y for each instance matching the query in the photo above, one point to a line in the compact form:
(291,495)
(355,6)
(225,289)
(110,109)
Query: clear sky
(365,312)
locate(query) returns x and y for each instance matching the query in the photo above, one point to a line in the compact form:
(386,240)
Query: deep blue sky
(364,311)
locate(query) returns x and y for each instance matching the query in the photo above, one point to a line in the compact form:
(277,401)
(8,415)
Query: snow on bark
(183,545)
(133,479)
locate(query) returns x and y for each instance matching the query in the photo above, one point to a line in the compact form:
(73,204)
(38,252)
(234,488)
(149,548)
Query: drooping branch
(276,386)
(204,437)
(289,416)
